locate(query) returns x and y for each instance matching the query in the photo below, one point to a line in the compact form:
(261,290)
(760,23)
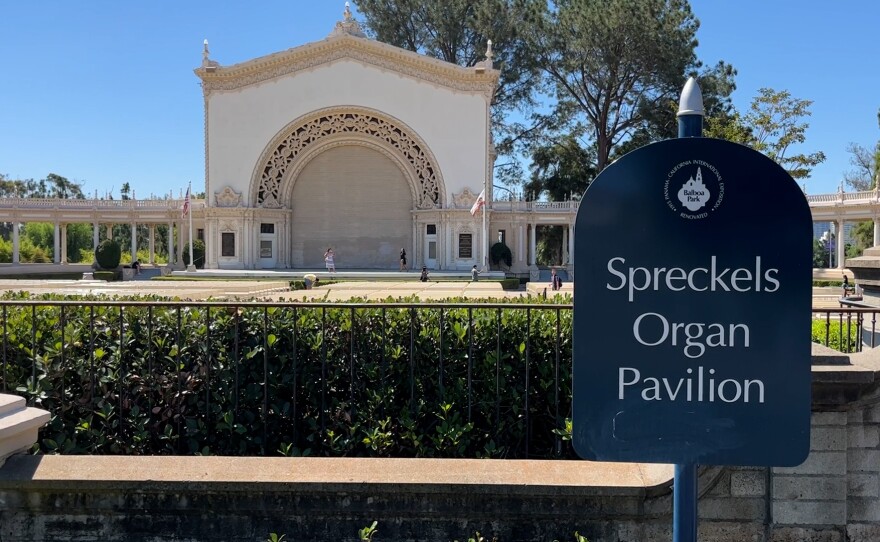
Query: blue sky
(103,91)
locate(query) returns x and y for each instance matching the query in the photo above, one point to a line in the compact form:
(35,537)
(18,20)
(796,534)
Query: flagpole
(192,256)
(485,232)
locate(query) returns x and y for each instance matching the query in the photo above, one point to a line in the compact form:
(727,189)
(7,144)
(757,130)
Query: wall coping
(324,474)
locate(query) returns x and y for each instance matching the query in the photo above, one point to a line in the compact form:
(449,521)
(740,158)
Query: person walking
(329,260)
(475,273)
(403,259)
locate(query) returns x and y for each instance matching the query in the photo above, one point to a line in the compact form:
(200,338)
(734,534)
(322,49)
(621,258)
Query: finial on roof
(483,65)
(348,25)
(207,63)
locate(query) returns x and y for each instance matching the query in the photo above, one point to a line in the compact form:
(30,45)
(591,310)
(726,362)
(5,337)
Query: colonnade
(60,255)
(838,229)
(567,243)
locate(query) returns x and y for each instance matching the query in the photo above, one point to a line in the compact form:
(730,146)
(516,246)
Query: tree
(773,125)
(611,61)
(560,169)
(866,162)
(458,31)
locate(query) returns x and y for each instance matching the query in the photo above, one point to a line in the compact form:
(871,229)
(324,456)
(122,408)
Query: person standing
(403,259)
(329,260)
(555,280)
(475,273)
(424,276)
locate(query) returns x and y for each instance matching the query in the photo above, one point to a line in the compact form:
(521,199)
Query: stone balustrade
(19,425)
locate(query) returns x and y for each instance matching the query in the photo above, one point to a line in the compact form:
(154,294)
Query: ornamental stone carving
(388,134)
(227,198)
(464,199)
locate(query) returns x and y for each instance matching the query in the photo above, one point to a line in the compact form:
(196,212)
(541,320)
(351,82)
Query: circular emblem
(693,189)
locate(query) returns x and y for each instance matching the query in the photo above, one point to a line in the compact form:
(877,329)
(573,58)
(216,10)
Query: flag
(481,200)
(186,203)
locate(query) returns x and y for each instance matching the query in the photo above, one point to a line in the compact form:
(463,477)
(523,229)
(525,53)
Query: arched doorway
(357,201)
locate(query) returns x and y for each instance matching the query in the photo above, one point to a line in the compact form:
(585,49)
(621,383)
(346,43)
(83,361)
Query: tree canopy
(866,165)
(775,126)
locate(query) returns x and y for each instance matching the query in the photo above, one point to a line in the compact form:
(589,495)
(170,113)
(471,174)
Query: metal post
(684,515)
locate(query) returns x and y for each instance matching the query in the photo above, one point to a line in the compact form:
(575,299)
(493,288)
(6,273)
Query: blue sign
(692,309)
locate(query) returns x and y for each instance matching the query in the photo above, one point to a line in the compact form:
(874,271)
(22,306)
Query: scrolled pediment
(227,198)
(464,199)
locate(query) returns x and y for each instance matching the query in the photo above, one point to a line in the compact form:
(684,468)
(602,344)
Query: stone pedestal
(19,425)
(866,273)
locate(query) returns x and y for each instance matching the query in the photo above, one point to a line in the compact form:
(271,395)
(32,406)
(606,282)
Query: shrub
(837,332)
(198,250)
(501,253)
(108,254)
(295,380)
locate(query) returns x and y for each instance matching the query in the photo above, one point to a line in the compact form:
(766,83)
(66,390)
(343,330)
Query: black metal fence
(381,379)
(475,380)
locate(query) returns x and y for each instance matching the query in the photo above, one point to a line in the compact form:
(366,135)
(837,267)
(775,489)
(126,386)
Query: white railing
(536,206)
(63,204)
(865,197)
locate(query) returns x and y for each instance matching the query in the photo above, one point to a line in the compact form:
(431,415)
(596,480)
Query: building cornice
(479,78)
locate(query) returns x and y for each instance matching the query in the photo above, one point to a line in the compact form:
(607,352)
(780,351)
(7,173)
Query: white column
(570,244)
(170,243)
(96,233)
(56,254)
(152,244)
(180,244)
(134,243)
(876,231)
(64,244)
(521,244)
(109,231)
(533,245)
(564,245)
(841,245)
(16,256)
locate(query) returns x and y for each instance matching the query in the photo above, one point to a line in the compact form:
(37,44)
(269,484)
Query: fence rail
(402,379)
(265,378)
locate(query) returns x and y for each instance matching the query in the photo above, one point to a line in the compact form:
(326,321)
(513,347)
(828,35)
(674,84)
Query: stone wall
(834,496)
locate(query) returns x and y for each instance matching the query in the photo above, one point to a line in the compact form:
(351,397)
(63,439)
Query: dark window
(267,228)
(227,245)
(432,229)
(465,245)
(200,234)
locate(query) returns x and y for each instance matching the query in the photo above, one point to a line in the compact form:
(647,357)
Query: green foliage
(108,254)
(501,253)
(828,283)
(198,250)
(367,533)
(293,380)
(841,336)
(774,126)
(275,537)
(560,169)
(611,61)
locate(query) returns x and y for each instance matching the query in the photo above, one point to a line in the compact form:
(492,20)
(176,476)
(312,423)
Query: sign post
(692,311)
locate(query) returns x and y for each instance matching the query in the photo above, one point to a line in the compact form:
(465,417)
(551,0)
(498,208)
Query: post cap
(691,102)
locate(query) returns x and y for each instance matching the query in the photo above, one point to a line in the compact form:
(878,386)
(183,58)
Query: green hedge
(177,382)
(510,284)
(837,334)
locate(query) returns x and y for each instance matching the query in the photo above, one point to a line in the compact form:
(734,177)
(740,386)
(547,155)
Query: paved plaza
(275,290)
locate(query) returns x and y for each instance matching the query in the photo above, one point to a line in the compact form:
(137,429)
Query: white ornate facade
(345,143)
